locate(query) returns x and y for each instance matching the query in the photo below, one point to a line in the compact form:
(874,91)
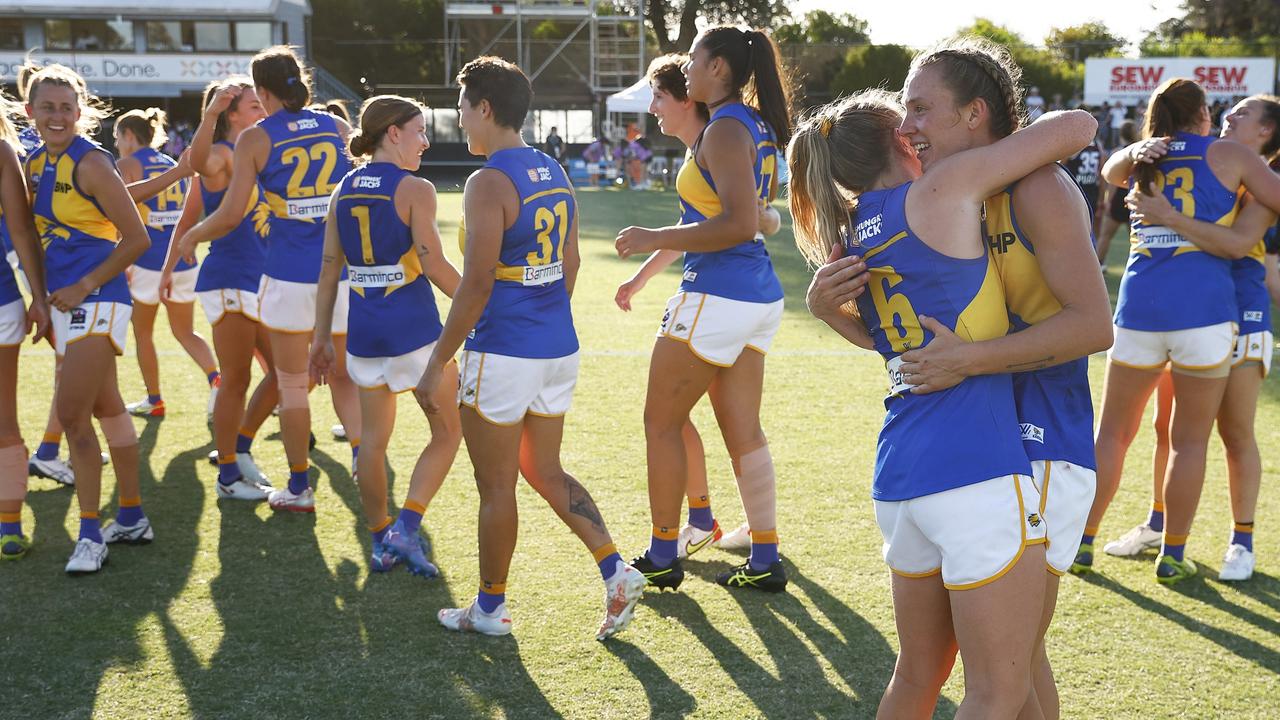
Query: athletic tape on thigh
(757,486)
(293,389)
(119,430)
(13,472)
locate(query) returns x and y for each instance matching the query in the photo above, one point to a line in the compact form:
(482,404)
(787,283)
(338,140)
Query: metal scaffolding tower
(601,53)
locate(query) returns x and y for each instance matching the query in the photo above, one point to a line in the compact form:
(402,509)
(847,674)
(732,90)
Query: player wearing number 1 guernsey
(520,364)
(296,156)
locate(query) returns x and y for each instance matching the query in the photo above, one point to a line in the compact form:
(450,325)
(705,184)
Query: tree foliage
(682,15)
(383,42)
(1078,42)
(820,26)
(872,66)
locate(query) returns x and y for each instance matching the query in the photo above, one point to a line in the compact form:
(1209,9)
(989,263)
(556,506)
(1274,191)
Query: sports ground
(238,612)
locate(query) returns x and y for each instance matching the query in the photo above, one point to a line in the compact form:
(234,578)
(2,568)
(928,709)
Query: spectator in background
(554,146)
(1056,104)
(638,155)
(598,154)
(1035,104)
(1117,117)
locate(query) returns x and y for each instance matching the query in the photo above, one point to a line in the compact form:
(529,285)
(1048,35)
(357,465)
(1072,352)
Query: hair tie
(825,127)
(291,81)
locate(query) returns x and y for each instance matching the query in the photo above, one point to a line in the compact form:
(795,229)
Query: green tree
(820,26)
(1077,42)
(1041,68)
(872,66)
(383,42)
(662,15)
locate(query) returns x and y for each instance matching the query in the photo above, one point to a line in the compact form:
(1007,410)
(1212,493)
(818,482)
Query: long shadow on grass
(666,697)
(96,623)
(1196,589)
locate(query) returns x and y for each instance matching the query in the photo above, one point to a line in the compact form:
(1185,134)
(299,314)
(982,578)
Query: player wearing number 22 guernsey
(965,434)
(306,162)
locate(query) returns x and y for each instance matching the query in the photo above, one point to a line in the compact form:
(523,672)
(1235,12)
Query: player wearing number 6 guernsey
(952,485)
(138,134)
(382,225)
(520,364)
(1177,305)
(297,156)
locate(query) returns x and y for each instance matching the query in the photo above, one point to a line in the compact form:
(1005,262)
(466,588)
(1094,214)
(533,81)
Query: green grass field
(238,612)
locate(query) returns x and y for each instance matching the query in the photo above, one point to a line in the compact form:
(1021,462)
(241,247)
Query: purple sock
(130,515)
(91,529)
(228,472)
(609,565)
(298,482)
(410,520)
(489,602)
(243,443)
(48,450)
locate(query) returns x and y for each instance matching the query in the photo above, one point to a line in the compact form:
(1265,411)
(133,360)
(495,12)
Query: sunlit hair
(146,126)
(838,151)
(377,114)
(756,71)
(9,109)
(666,74)
(1270,105)
(92,110)
(1174,106)
(280,72)
(222,126)
(974,67)
(502,84)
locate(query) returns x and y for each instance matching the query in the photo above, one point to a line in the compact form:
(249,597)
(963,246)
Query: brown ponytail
(838,151)
(376,116)
(1174,106)
(757,73)
(147,126)
(278,70)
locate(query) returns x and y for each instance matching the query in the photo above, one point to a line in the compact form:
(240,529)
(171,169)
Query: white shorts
(1202,349)
(13,323)
(972,534)
(1254,347)
(92,319)
(217,303)
(718,329)
(397,374)
(144,285)
(290,307)
(1066,496)
(516,386)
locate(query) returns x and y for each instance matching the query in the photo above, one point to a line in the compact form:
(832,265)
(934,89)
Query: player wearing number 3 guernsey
(952,487)
(297,156)
(1177,305)
(520,365)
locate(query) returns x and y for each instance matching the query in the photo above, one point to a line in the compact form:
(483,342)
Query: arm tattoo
(423,251)
(580,502)
(330,258)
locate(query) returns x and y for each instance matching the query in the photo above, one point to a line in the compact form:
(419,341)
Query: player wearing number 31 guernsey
(952,487)
(520,365)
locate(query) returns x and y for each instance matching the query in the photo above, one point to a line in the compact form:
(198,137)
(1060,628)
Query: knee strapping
(293,390)
(13,472)
(119,430)
(757,486)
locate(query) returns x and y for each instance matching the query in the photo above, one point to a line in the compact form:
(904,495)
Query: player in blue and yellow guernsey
(520,363)
(953,494)
(138,134)
(1254,122)
(681,117)
(382,227)
(296,157)
(16,320)
(729,303)
(1038,232)
(91,233)
(227,286)
(1177,305)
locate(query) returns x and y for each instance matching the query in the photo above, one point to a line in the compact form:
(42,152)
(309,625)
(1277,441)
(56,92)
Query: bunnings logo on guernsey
(367,182)
(303,124)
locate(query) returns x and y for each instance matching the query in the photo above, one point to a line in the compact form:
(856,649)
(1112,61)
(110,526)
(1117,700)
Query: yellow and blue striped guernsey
(743,272)
(393,310)
(76,234)
(1055,404)
(955,437)
(1169,283)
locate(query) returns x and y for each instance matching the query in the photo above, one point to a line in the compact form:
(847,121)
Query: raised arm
(1119,166)
(250,154)
(1260,180)
(979,172)
(145,189)
(203,157)
(421,197)
(1228,241)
